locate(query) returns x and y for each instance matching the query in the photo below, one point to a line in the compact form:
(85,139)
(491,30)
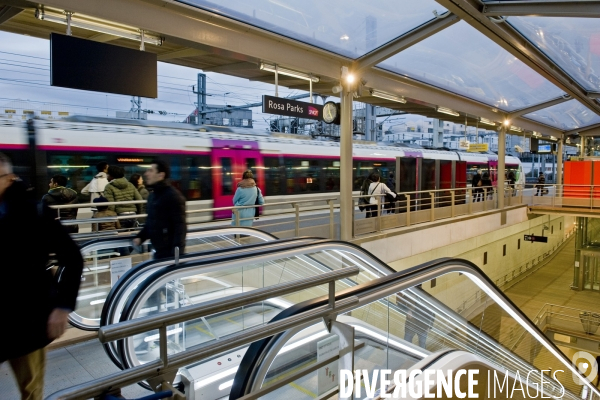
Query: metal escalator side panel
(120,293)
(255,358)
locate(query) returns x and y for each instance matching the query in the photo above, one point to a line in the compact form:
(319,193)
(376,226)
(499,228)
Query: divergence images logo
(585,363)
(313,111)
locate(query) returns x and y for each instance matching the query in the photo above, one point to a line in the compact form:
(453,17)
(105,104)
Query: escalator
(452,303)
(102,257)
(401,321)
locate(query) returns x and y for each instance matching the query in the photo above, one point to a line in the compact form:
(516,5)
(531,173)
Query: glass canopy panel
(566,116)
(572,43)
(462,60)
(348,27)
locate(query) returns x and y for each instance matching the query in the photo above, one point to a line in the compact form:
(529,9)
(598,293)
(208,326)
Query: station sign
(478,147)
(291,108)
(533,238)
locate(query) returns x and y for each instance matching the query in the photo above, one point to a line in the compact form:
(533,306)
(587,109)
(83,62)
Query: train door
(493,168)
(229,161)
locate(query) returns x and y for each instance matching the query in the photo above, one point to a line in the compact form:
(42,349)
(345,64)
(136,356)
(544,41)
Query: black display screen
(87,65)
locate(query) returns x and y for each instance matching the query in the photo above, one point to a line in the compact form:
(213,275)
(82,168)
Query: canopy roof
(534,63)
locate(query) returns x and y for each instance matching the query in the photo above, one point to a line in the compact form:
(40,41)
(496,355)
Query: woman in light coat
(378,190)
(246,194)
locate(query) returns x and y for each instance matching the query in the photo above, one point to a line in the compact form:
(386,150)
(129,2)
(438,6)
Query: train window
(78,168)
(227,176)
(198,182)
(331,170)
(303,175)
(362,169)
(273,176)
(251,164)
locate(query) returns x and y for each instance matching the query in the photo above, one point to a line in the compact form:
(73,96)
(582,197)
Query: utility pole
(201,104)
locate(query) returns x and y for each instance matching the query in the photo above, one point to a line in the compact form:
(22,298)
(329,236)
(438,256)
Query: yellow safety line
(303,390)
(204,331)
(233,322)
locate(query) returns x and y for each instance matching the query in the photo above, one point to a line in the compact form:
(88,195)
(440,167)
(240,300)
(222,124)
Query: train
(207,161)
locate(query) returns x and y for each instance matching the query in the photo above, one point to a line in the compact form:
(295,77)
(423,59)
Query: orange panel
(578,178)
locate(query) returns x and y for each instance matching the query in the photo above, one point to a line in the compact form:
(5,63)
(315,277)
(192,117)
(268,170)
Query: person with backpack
(377,190)
(59,195)
(120,189)
(540,186)
(96,186)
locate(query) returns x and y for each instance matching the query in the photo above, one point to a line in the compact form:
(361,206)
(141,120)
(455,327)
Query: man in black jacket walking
(165,225)
(27,238)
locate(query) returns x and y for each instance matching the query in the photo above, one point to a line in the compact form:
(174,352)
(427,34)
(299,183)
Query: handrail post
(591,197)
(353,217)
(379,213)
(432,209)
(297,219)
(407,209)
(472,199)
(485,199)
(452,203)
(332,219)
(162,337)
(236,215)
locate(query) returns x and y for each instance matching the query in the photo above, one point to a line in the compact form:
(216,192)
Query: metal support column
(559,164)
(368,122)
(501,165)
(346,204)
(201,119)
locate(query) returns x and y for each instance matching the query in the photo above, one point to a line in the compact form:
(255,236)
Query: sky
(25,75)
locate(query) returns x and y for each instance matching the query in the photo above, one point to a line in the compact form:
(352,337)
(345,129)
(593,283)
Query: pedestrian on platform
(27,238)
(246,194)
(59,195)
(120,189)
(377,190)
(540,186)
(104,212)
(486,186)
(512,182)
(96,186)
(165,225)
(476,190)
(138,182)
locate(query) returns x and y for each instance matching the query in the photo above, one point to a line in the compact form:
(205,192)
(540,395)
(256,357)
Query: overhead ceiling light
(516,129)
(387,96)
(487,121)
(288,72)
(448,111)
(506,122)
(79,21)
(553,138)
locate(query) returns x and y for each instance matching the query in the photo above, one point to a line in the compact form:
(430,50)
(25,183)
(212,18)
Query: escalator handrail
(128,238)
(140,291)
(120,288)
(122,241)
(374,290)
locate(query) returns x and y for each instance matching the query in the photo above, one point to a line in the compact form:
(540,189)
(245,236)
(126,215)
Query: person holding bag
(377,191)
(247,194)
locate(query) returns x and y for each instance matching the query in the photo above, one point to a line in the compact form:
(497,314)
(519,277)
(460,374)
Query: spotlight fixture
(516,129)
(487,121)
(448,111)
(289,72)
(387,96)
(79,21)
(506,122)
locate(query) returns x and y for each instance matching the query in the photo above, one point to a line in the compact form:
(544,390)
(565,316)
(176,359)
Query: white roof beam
(541,8)
(537,107)
(405,41)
